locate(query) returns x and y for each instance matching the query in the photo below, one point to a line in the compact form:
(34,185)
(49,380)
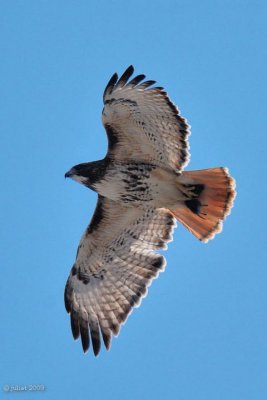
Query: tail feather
(212,194)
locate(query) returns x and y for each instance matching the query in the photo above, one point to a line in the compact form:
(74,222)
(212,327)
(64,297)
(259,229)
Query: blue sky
(201,331)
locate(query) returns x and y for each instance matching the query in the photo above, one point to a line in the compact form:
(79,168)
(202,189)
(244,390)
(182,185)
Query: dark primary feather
(74,320)
(111,84)
(114,83)
(136,80)
(146,84)
(97,217)
(95,336)
(106,338)
(84,335)
(125,76)
(112,137)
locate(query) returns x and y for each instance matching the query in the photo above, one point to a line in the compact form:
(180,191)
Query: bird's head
(87,173)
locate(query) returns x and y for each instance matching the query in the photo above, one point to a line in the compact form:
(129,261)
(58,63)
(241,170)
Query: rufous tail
(210,195)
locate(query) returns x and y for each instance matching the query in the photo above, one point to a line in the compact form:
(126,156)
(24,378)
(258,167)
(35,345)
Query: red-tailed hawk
(142,191)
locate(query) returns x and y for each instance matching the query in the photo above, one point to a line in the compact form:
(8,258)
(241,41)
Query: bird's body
(134,184)
(142,191)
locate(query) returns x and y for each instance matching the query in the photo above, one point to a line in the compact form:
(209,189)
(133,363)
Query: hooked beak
(68,174)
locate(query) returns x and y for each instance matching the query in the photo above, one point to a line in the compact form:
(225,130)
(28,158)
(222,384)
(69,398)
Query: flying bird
(142,190)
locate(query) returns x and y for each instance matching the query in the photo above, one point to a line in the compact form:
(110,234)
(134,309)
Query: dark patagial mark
(97,217)
(112,137)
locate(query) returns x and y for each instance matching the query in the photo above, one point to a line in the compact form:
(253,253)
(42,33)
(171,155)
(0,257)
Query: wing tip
(75,328)
(125,76)
(117,82)
(110,85)
(106,335)
(84,331)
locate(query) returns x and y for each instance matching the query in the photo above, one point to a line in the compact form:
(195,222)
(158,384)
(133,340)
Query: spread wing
(115,264)
(143,124)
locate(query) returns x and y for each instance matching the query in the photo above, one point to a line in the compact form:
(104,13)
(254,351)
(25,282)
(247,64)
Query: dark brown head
(88,173)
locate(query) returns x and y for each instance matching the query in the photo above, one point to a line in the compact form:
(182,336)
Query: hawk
(142,190)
